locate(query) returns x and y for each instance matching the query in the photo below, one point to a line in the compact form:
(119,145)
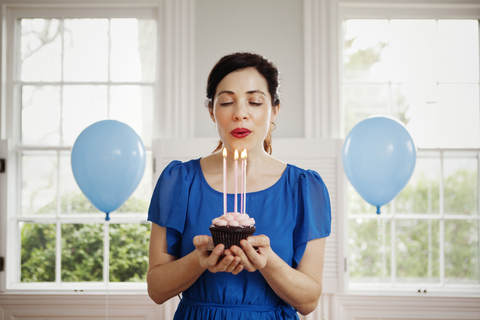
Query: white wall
(273,28)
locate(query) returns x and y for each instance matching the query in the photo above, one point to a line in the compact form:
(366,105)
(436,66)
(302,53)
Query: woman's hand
(215,260)
(254,252)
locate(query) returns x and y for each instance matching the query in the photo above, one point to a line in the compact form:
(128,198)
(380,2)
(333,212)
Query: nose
(241,112)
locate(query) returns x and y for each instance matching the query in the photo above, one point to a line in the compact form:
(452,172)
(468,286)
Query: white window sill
(430,290)
(98,288)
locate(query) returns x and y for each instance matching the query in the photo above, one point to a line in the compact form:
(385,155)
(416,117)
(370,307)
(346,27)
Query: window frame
(11,149)
(441,217)
(387,10)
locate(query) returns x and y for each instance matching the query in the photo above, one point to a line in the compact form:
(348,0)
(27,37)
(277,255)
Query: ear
(210,111)
(275,112)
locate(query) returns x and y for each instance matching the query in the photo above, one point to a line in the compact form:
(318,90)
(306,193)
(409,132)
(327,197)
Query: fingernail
(251,240)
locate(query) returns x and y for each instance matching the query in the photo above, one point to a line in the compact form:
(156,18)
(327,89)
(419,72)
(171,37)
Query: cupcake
(229,229)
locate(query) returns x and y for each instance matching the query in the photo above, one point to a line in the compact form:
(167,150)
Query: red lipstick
(240,132)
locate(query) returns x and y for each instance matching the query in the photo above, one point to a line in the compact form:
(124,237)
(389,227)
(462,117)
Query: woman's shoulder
(301,172)
(176,165)
(180,170)
(300,175)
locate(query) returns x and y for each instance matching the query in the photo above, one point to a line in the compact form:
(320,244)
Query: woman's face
(242,110)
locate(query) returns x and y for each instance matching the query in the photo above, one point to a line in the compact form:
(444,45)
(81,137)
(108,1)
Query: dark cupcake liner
(230,236)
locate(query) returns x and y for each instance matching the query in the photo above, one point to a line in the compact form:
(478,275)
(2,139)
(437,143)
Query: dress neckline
(204,180)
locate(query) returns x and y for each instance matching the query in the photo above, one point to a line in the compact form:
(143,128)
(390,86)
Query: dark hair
(242,60)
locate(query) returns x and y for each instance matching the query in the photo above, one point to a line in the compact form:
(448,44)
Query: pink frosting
(247,222)
(242,219)
(219,222)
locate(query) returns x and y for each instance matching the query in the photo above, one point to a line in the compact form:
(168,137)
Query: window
(71,70)
(426,74)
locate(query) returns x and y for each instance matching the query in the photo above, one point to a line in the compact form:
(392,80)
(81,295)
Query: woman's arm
(300,287)
(168,276)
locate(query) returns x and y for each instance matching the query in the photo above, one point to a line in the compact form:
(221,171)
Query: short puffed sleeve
(168,206)
(314,213)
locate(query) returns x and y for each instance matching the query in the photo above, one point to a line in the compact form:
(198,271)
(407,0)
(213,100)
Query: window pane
(458,51)
(370,252)
(38,252)
(459,116)
(139,201)
(400,106)
(133,105)
(86,50)
(72,200)
(422,193)
(365,51)
(413,50)
(461,251)
(461,185)
(417,251)
(41,115)
(133,45)
(82,252)
(41,49)
(363,100)
(129,252)
(82,106)
(421,113)
(39,183)
(357,205)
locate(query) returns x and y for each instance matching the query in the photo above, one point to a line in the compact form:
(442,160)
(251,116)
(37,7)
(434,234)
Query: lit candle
(242,182)
(224,181)
(245,183)
(236,173)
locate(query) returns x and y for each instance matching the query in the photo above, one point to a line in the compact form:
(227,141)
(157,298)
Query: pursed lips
(240,132)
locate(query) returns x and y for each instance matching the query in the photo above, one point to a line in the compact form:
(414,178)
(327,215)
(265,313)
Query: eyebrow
(256,91)
(248,92)
(225,91)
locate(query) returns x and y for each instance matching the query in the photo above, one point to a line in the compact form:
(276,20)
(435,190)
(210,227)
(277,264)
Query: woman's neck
(263,170)
(257,160)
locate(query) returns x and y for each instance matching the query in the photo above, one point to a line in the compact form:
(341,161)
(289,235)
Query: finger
(223,264)
(231,267)
(200,242)
(237,251)
(214,257)
(247,251)
(248,248)
(259,241)
(228,252)
(210,244)
(238,269)
(258,261)
(245,261)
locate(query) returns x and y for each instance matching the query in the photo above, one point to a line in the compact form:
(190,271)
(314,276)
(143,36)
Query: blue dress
(295,210)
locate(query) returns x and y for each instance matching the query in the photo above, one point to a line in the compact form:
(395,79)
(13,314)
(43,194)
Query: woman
(273,273)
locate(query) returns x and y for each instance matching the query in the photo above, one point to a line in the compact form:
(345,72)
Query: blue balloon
(108,161)
(379,157)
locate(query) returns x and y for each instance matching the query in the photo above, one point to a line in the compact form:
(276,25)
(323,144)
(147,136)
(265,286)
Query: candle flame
(245,151)
(224,152)
(243,155)
(236,154)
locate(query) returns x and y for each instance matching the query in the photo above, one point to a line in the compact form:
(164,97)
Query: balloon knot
(107,218)
(378,210)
